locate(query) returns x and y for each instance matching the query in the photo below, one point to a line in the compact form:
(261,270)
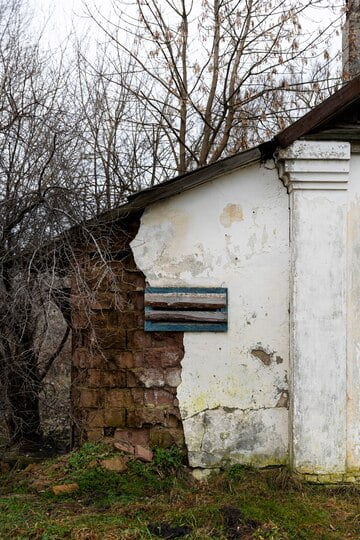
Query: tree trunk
(23,385)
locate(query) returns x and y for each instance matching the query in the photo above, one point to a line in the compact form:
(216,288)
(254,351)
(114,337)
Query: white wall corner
(315,165)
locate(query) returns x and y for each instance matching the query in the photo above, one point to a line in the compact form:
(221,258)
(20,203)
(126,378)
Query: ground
(161,499)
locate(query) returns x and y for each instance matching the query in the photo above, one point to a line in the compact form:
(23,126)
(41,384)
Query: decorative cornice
(316,165)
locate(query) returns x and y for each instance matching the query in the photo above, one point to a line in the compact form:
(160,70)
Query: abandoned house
(221,310)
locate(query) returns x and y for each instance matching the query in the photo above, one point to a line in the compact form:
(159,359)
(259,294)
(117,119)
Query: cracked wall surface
(232,232)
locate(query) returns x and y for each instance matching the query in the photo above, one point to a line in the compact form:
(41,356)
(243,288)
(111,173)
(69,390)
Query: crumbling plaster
(232,232)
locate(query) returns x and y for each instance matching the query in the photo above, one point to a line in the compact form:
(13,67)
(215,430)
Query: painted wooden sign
(169,309)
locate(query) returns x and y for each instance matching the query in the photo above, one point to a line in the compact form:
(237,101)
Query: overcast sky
(59,16)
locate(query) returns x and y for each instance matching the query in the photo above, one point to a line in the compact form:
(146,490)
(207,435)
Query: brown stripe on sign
(185,300)
(191,316)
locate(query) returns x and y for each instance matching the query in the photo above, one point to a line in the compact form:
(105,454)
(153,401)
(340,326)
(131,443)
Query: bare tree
(36,203)
(119,140)
(176,86)
(220,76)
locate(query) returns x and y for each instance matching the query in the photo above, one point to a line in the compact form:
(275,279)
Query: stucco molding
(316,173)
(315,165)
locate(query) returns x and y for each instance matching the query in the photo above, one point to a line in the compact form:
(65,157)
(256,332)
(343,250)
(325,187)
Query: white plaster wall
(317,174)
(232,232)
(353,300)
(319,331)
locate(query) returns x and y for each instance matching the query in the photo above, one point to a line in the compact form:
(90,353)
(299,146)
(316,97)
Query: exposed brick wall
(124,379)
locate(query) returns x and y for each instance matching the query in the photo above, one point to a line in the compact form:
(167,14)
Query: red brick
(138,299)
(89,398)
(110,339)
(111,318)
(133,436)
(79,377)
(143,454)
(94,435)
(162,397)
(79,319)
(95,419)
(138,359)
(149,397)
(174,411)
(134,279)
(138,339)
(149,378)
(128,320)
(132,379)
(116,464)
(153,357)
(166,437)
(102,301)
(124,446)
(158,397)
(139,417)
(131,363)
(94,378)
(113,379)
(172,421)
(124,360)
(83,358)
(163,357)
(118,398)
(115,418)
(172,357)
(167,339)
(99,320)
(138,396)
(80,357)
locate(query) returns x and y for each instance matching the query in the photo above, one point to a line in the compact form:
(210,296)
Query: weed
(283,479)
(263,505)
(81,458)
(237,471)
(269,532)
(168,459)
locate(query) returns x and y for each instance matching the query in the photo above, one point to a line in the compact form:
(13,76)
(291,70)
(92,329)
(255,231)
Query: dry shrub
(285,480)
(84,534)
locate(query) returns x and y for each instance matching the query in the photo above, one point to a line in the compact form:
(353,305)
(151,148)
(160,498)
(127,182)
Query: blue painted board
(186,326)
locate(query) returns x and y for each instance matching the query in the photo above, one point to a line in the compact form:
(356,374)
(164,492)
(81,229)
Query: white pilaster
(316,174)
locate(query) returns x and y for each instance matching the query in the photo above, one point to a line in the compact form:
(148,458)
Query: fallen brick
(143,454)
(124,446)
(65,488)
(116,464)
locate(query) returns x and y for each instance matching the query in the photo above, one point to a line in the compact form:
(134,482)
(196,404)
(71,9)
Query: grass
(162,497)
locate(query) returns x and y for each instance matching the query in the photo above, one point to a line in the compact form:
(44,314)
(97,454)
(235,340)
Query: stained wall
(232,232)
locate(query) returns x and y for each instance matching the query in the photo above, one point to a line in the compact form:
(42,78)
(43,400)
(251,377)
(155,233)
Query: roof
(310,122)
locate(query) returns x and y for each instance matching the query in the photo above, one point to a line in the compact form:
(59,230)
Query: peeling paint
(262,355)
(220,377)
(231,214)
(284,399)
